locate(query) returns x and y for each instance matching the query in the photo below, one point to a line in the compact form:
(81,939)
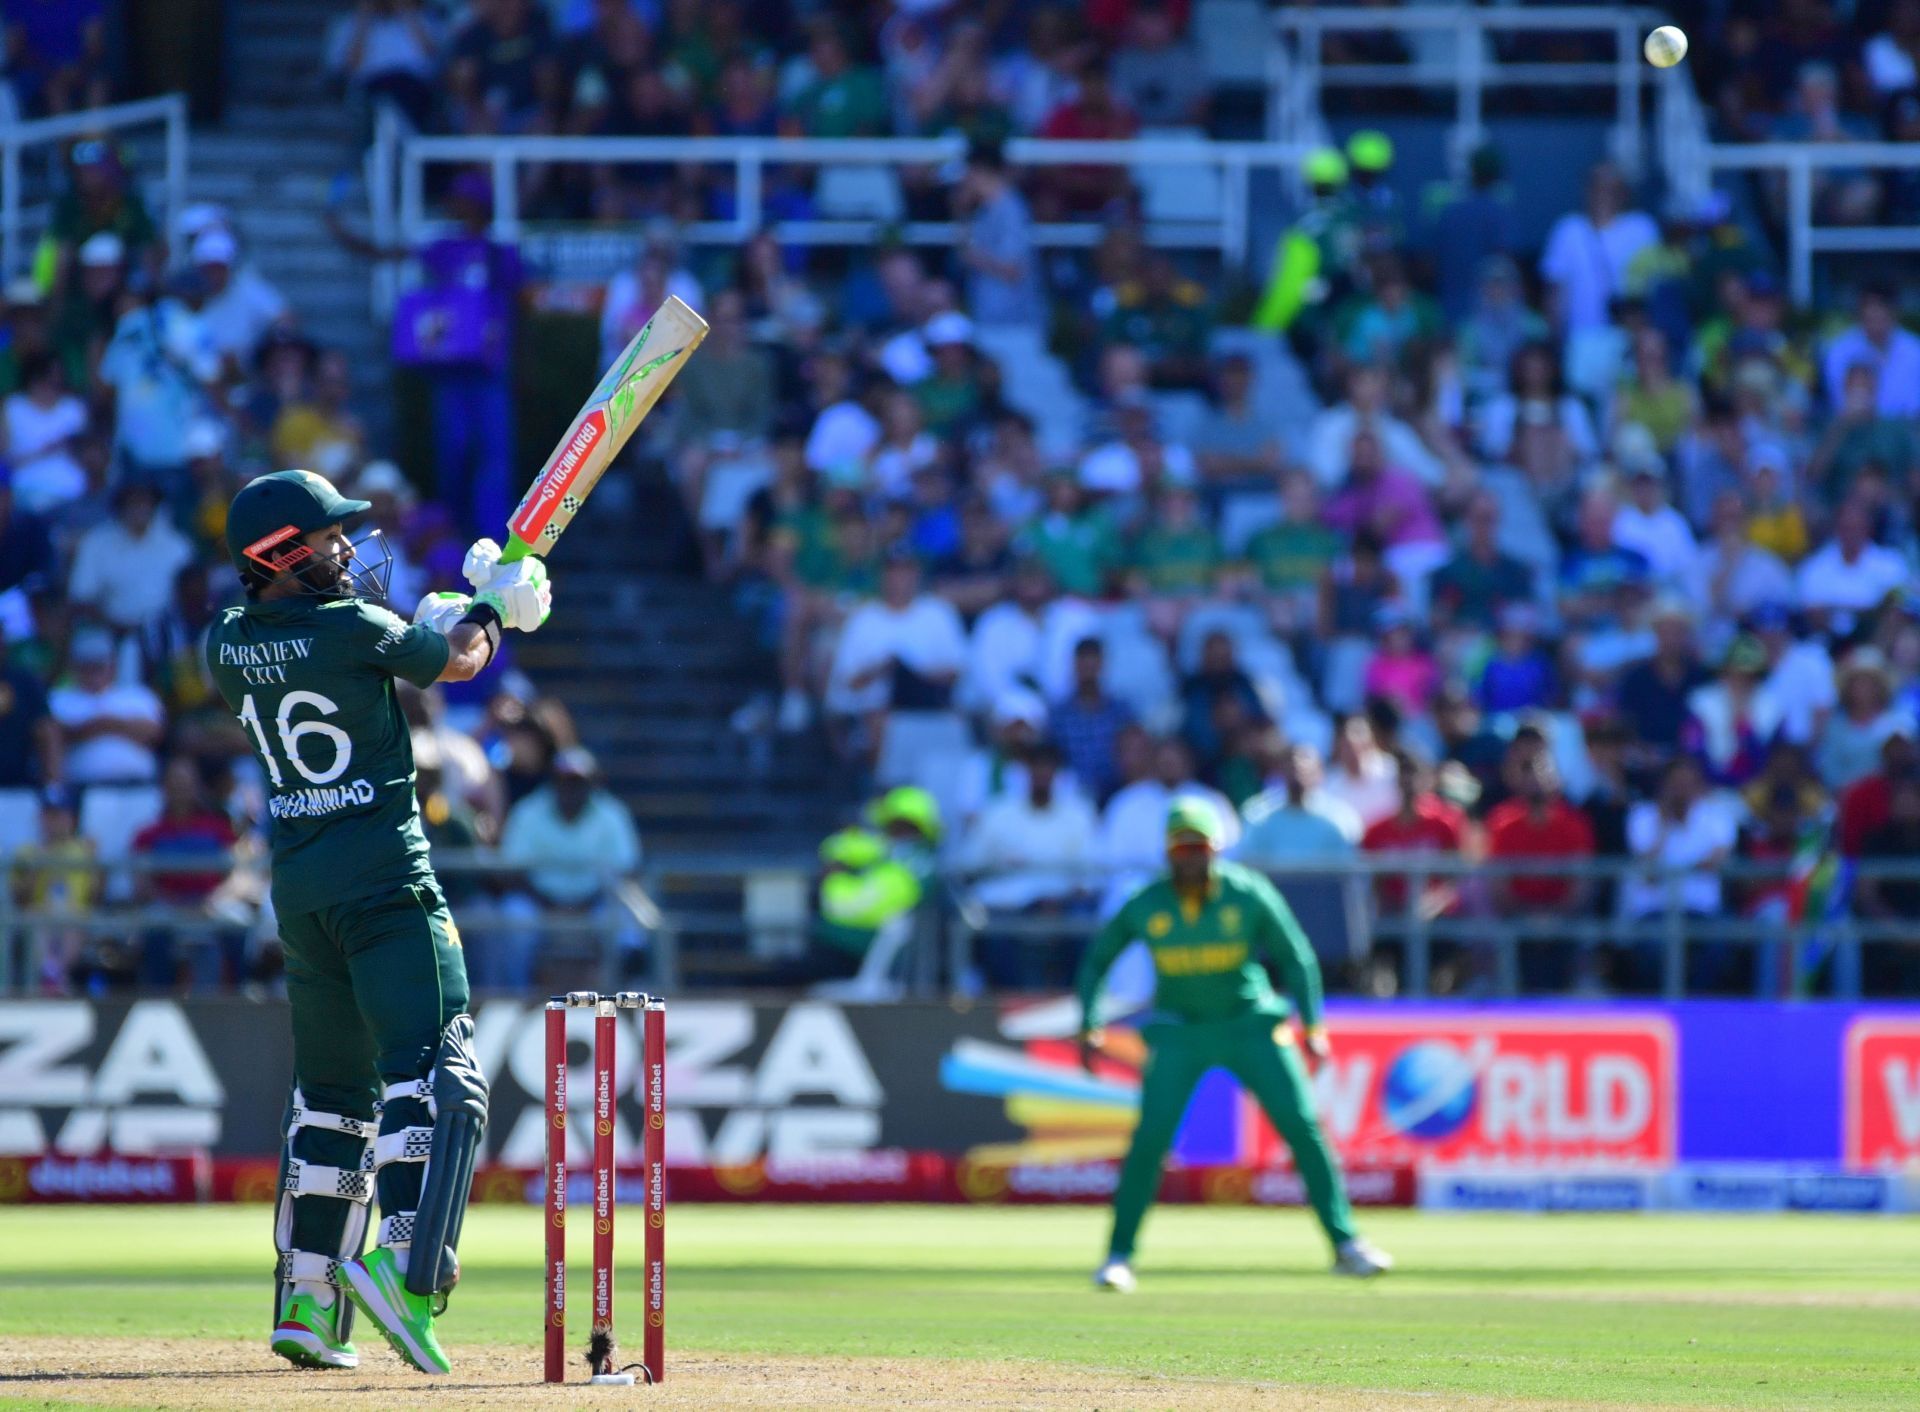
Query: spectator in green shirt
(1074,540)
(100,200)
(1166,316)
(1293,555)
(1177,553)
(1472,587)
(1653,397)
(950,395)
(843,99)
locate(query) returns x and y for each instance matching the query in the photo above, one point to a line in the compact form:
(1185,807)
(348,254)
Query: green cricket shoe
(379,1291)
(306,1337)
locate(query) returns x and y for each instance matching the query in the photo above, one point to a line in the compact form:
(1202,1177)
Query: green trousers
(1178,1056)
(372,983)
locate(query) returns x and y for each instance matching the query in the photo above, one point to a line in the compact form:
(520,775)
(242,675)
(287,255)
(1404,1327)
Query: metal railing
(20,221)
(1799,163)
(236,908)
(1300,73)
(396,169)
(1671,930)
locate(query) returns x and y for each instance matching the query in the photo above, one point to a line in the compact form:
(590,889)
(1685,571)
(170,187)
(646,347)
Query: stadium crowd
(136,399)
(1423,543)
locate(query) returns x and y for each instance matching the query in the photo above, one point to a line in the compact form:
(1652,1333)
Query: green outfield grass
(1767,1312)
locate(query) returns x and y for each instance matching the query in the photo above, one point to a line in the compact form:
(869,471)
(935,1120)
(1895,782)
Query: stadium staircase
(650,659)
(281,143)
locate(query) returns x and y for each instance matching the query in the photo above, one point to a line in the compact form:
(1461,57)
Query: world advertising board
(1586,1090)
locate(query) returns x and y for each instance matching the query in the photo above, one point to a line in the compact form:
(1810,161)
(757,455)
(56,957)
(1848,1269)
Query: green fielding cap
(1324,166)
(1370,151)
(853,848)
(907,804)
(1195,816)
(268,505)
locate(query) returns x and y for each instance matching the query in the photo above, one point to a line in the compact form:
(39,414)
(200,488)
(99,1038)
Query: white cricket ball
(1666,46)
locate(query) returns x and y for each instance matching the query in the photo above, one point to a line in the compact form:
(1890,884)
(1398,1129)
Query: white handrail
(169,109)
(1798,162)
(402,160)
(1303,75)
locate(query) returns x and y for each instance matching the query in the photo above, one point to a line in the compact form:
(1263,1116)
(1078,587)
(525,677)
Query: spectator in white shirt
(1135,461)
(43,420)
(1007,645)
(904,449)
(1799,673)
(1133,829)
(1330,440)
(123,568)
(1879,341)
(902,650)
(111,730)
(161,367)
(1648,525)
(566,843)
(1851,739)
(1683,828)
(845,432)
(998,769)
(1850,574)
(1588,252)
(241,306)
(388,49)
(1035,846)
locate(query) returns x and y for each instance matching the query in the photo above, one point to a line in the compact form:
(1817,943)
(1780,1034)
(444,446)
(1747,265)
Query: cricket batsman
(1208,923)
(388,1093)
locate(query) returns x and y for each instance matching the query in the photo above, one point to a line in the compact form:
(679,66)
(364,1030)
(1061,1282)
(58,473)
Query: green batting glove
(520,594)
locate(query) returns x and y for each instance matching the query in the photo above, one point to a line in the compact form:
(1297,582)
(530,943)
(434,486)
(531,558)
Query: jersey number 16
(291,734)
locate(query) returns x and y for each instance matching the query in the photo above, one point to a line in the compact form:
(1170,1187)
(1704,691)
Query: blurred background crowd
(1419,538)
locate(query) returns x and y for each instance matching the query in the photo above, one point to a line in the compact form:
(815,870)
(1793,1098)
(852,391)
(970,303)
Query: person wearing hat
(376,979)
(1209,925)
(874,879)
(1466,226)
(1375,205)
(1312,265)
(241,304)
(85,316)
(1867,713)
(99,198)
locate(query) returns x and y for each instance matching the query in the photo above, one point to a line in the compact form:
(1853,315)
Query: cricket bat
(626,393)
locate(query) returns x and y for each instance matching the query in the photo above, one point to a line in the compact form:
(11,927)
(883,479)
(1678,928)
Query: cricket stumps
(603,1347)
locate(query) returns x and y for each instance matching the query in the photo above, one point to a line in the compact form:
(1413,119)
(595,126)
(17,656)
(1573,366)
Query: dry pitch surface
(906,1307)
(187,1373)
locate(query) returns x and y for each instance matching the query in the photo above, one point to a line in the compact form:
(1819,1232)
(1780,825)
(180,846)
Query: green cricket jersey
(311,679)
(1207,952)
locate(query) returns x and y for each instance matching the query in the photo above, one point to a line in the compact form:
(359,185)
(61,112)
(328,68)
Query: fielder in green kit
(388,1093)
(1208,924)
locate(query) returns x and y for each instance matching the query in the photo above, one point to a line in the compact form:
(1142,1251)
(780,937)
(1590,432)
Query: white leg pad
(421,1089)
(404,1145)
(346,1183)
(396,1231)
